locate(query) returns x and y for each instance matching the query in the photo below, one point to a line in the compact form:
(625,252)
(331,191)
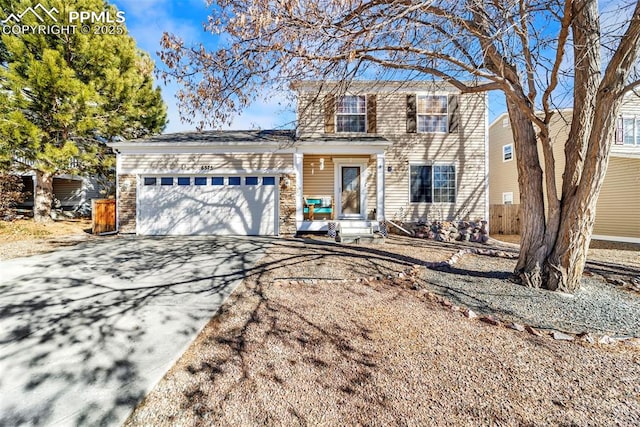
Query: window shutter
(620,132)
(371,113)
(329,114)
(454,116)
(411,114)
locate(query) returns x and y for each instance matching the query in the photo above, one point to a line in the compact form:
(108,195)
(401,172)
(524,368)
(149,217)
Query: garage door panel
(207,210)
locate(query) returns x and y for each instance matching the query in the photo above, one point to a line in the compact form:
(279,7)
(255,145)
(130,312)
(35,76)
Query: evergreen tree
(62,96)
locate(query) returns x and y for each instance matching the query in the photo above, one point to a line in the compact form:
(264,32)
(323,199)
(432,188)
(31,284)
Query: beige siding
(464,148)
(503,176)
(191,162)
(619,198)
(618,210)
(321,182)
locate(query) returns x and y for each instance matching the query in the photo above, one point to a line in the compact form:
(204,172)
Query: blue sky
(146,20)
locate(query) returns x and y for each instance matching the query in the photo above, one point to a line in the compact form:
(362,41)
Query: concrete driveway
(86,331)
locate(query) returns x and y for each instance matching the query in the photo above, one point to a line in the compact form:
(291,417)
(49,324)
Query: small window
(150,181)
(507,152)
(507,198)
(234,180)
(200,180)
(183,180)
(166,180)
(251,180)
(217,180)
(630,131)
(269,180)
(432,113)
(351,114)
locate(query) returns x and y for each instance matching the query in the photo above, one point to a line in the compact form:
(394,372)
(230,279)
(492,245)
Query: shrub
(11,194)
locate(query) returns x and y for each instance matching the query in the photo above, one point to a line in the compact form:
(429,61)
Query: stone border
(409,279)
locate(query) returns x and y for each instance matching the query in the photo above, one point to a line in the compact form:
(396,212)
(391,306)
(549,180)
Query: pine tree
(62,96)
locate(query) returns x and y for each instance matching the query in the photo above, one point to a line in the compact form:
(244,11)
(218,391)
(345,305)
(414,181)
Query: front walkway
(86,331)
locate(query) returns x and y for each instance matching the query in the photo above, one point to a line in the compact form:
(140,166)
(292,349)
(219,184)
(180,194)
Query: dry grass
(355,353)
(25,237)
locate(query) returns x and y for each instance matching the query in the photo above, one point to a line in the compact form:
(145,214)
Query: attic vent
(505,122)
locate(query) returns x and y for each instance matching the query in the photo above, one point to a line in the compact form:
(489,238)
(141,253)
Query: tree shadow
(85,331)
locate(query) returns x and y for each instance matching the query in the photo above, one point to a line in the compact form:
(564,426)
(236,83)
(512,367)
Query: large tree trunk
(533,252)
(43,197)
(553,255)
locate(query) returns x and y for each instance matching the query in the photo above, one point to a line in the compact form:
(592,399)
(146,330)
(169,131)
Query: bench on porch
(318,205)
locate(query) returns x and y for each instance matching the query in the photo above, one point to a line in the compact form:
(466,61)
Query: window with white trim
(432,183)
(351,114)
(432,113)
(631,130)
(507,152)
(507,198)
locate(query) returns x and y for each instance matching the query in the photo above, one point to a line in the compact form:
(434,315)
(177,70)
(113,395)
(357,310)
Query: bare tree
(532,51)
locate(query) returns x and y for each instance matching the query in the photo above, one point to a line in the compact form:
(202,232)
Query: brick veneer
(127,203)
(287,205)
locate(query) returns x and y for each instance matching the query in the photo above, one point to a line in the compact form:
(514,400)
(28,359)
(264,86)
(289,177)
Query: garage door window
(251,180)
(150,181)
(200,180)
(234,180)
(184,180)
(268,180)
(166,180)
(217,180)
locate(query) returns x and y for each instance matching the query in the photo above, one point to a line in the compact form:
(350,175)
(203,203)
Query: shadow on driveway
(86,331)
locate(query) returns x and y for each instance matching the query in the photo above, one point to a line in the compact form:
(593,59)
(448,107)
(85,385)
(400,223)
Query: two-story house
(378,151)
(618,205)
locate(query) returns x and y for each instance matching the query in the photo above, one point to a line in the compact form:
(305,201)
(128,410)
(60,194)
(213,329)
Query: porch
(344,186)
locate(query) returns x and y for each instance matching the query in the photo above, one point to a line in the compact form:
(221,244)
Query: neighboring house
(618,205)
(383,150)
(71,192)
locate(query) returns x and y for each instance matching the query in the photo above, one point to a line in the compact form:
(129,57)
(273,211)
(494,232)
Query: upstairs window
(507,152)
(628,131)
(351,114)
(631,131)
(432,113)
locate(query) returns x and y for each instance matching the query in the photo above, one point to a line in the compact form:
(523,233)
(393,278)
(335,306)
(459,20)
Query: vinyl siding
(619,199)
(464,148)
(317,182)
(135,163)
(617,212)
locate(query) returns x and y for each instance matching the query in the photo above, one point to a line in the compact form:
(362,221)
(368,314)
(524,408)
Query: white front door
(350,190)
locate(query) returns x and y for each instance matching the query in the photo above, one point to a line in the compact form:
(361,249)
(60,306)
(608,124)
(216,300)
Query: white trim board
(205,172)
(615,238)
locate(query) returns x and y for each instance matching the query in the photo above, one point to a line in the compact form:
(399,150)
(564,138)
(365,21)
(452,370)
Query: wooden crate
(103,216)
(504,219)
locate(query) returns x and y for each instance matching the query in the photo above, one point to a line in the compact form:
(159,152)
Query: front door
(350,191)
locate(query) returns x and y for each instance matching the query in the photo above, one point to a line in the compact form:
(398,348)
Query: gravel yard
(297,345)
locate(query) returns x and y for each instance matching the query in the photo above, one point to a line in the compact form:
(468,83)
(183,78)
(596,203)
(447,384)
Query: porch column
(380,187)
(297,166)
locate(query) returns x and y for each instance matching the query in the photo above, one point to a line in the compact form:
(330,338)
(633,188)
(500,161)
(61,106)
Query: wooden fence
(103,216)
(504,219)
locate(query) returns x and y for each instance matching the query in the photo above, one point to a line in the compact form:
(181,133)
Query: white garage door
(207,205)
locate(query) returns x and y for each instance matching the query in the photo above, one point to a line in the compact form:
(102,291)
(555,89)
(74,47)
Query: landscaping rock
(562,336)
(490,320)
(517,327)
(470,314)
(532,331)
